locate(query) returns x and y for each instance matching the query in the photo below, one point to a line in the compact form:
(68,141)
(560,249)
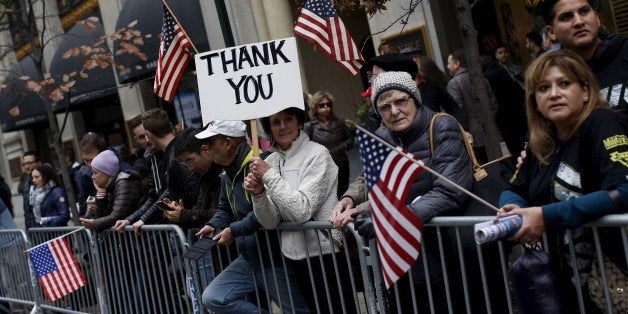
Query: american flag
(398,230)
(56,268)
(174,56)
(320,24)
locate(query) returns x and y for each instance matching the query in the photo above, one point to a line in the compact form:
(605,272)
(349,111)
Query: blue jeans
(227,292)
(205,268)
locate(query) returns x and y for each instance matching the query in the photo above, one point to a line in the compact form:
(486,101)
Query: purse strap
(467,145)
(478,170)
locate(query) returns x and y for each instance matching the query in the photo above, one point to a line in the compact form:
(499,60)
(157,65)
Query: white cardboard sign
(249,81)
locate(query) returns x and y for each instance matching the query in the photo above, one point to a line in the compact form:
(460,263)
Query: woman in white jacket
(298,183)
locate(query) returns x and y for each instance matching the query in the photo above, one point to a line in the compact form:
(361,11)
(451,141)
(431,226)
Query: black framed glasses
(28,163)
(325,104)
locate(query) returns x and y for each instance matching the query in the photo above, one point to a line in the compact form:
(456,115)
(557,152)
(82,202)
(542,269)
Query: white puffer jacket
(300,186)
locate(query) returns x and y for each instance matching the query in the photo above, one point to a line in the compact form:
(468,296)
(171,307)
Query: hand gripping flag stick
(421,164)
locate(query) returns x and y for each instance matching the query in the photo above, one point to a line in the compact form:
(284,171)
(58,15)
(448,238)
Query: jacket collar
(242,152)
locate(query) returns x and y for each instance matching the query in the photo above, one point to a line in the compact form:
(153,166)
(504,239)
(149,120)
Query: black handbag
(535,284)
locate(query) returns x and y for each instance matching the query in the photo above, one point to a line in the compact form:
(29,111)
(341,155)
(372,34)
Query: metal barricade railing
(146,273)
(17,288)
(85,299)
(478,281)
(328,283)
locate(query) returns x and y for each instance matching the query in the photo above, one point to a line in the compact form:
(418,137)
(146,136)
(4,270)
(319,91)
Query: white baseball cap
(227,128)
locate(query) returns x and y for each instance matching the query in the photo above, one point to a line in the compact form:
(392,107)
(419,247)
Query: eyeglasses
(26,163)
(399,103)
(325,104)
(188,161)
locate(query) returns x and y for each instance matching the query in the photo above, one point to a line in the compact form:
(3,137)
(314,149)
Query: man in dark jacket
(30,161)
(178,183)
(235,220)
(459,87)
(575,24)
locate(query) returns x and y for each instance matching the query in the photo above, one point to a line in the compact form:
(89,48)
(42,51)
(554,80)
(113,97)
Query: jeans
(205,268)
(226,293)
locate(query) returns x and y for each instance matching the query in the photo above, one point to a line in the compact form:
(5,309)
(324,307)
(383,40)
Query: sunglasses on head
(324,104)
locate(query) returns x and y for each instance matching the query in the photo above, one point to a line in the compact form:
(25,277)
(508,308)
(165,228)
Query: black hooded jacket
(610,66)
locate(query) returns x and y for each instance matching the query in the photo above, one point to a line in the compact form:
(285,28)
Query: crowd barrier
(146,273)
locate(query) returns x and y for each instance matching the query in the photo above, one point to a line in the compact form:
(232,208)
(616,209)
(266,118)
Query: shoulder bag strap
(467,146)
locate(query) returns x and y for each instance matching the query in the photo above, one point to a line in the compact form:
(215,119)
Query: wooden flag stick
(255,137)
(422,165)
(180,25)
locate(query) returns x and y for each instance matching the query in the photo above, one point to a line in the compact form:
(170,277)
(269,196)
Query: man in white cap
(235,220)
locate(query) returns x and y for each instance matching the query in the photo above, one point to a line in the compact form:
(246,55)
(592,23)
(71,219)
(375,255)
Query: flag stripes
(320,24)
(174,56)
(57,269)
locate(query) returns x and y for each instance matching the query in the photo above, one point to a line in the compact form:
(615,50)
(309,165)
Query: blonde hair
(543,131)
(317,98)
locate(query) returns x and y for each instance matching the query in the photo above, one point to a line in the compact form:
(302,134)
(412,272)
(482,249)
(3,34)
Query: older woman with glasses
(330,131)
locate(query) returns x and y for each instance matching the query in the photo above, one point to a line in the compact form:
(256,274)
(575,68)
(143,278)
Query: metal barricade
(146,273)
(325,283)
(86,299)
(455,275)
(17,288)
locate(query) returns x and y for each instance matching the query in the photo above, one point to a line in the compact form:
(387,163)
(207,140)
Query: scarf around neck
(37,196)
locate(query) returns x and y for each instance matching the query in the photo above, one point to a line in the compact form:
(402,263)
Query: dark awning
(99,82)
(30,106)
(148,14)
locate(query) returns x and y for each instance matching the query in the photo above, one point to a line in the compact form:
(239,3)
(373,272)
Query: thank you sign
(249,81)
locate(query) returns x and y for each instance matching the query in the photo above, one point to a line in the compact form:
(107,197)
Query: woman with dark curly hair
(330,131)
(47,199)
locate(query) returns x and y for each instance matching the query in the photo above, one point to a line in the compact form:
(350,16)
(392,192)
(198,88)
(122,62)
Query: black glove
(363,224)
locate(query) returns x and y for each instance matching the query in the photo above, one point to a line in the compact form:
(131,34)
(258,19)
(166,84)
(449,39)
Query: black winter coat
(124,196)
(450,159)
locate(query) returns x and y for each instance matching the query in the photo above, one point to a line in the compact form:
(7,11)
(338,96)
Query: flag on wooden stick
(174,56)
(56,268)
(320,24)
(388,176)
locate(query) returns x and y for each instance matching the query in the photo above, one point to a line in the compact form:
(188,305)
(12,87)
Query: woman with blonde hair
(330,131)
(577,165)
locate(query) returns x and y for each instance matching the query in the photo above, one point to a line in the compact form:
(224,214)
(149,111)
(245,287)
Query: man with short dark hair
(91,145)
(575,24)
(30,161)
(460,88)
(534,44)
(177,182)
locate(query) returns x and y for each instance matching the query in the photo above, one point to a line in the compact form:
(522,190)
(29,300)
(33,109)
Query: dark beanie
(394,62)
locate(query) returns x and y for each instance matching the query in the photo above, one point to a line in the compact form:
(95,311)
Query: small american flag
(56,268)
(398,230)
(174,56)
(320,24)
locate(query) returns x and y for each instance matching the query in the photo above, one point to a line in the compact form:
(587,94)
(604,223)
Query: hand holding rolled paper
(502,227)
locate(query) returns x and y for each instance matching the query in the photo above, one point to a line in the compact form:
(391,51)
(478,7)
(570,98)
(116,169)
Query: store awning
(30,108)
(98,83)
(148,14)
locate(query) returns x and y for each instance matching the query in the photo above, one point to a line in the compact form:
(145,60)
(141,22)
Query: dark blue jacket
(55,208)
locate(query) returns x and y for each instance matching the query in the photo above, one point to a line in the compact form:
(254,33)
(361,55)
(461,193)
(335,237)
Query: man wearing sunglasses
(30,161)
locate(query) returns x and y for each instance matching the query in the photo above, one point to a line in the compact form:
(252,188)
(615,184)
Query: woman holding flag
(407,122)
